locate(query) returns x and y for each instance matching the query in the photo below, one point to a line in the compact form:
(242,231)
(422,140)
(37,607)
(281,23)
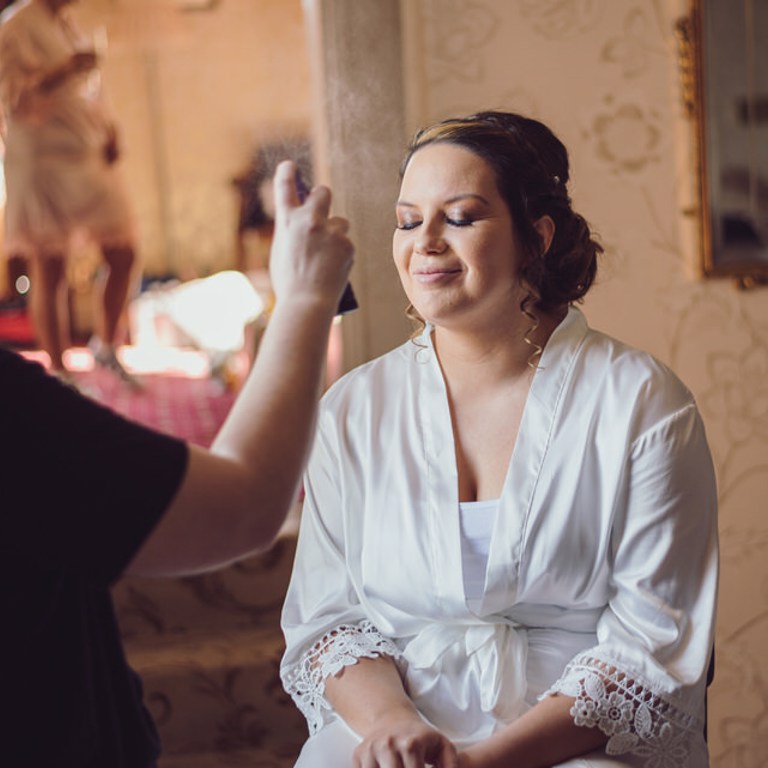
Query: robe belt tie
(499,653)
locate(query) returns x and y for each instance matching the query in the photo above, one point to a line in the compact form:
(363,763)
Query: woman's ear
(546,229)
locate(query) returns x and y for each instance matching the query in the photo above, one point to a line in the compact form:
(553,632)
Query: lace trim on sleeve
(339,648)
(636,720)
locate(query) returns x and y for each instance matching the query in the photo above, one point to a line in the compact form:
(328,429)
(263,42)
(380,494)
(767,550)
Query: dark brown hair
(531,168)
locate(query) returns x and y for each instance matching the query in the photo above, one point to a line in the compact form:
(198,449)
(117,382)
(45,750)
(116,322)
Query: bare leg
(49,305)
(112,288)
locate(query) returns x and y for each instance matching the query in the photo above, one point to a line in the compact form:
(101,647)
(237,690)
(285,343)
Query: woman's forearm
(78,62)
(367,692)
(55,77)
(371,699)
(544,736)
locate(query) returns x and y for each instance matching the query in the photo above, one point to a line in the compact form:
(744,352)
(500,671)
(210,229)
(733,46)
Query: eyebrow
(454,199)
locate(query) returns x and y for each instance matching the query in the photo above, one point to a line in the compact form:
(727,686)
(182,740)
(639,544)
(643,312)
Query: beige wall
(194,92)
(603,75)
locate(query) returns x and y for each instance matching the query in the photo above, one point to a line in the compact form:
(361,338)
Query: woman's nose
(430,240)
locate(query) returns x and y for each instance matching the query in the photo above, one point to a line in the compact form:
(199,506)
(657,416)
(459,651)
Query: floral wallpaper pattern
(561,19)
(626,138)
(456,32)
(632,47)
(605,76)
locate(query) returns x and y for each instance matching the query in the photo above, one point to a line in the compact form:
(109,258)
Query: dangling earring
(418,321)
(537,348)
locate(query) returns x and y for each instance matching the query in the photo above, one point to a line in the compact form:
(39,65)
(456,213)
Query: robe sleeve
(324,623)
(644,682)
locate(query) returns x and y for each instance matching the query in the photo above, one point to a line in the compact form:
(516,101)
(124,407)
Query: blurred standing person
(61,173)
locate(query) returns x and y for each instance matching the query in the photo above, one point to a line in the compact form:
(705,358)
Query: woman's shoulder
(621,359)
(631,380)
(598,362)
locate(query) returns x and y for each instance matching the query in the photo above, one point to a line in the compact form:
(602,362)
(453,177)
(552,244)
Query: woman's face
(454,246)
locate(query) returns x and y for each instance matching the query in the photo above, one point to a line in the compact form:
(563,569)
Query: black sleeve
(80,486)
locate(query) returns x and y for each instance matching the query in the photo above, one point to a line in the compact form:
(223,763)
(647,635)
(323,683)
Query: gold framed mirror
(724,70)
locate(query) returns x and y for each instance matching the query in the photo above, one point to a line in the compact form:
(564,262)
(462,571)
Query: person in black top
(87,496)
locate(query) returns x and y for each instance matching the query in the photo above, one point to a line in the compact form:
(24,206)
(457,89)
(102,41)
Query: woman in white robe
(513,561)
(61,173)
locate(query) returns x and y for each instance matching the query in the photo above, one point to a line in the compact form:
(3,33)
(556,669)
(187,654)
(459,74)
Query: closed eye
(406,225)
(460,222)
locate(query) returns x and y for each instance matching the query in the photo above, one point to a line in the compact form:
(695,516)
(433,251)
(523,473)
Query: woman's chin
(435,309)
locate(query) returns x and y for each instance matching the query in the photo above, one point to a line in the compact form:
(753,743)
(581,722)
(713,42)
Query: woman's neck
(493,355)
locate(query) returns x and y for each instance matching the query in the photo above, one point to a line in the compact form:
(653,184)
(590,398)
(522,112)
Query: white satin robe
(602,576)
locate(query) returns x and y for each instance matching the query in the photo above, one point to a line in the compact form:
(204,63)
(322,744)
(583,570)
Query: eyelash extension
(451,222)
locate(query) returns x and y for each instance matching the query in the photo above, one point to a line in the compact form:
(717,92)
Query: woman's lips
(430,275)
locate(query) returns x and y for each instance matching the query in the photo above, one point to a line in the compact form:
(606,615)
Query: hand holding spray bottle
(348,301)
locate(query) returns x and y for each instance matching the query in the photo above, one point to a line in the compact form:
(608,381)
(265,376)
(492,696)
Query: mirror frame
(689,30)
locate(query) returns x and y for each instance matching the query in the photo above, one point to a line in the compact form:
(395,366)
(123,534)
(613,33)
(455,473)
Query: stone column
(359,125)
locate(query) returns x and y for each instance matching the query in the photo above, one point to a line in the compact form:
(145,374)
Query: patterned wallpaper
(603,74)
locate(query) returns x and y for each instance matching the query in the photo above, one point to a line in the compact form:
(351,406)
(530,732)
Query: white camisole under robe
(477,519)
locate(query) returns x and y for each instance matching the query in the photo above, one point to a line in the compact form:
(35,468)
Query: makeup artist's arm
(234,498)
